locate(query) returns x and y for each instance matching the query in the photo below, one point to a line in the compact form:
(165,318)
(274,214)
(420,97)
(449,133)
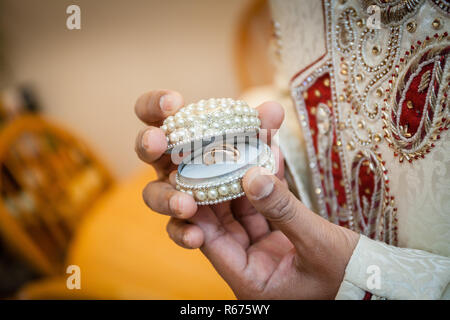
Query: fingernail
(260,183)
(186,239)
(146,139)
(169,102)
(177,204)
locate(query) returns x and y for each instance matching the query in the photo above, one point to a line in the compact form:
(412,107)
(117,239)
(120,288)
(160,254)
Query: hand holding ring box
(218,140)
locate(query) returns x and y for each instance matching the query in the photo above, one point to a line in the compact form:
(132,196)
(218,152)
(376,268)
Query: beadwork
(226,188)
(209,118)
(215,118)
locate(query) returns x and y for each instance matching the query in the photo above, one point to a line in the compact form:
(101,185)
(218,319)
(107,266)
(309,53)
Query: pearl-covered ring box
(215,142)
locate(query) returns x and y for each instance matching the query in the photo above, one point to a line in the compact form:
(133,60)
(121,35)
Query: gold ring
(220,154)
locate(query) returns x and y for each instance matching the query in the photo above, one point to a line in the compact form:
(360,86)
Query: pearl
(164,128)
(193,130)
(245,120)
(216,125)
(169,119)
(200,109)
(202,117)
(223,190)
(246,110)
(180,122)
(182,133)
(190,119)
(238,110)
(173,137)
(227,112)
(252,120)
(235,188)
(218,114)
(227,122)
(170,126)
(200,195)
(212,194)
(237,120)
(258,122)
(189,192)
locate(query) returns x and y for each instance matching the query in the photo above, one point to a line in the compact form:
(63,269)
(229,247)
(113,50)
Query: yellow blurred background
(70,180)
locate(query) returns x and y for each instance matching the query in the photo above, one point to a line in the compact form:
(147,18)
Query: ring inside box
(194,169)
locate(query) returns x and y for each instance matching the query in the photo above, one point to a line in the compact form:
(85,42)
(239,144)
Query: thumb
(274,200)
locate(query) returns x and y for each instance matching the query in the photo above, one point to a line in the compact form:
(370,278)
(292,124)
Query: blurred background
(70,180)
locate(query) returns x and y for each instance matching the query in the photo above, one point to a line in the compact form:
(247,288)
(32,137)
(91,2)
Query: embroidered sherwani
(365,136)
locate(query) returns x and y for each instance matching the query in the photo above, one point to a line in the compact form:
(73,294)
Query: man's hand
(266,245)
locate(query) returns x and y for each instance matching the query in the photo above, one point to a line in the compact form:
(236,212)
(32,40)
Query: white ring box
(215,142)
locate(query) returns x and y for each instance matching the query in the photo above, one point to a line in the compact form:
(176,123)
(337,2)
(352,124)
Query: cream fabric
(403,273)
(421,189)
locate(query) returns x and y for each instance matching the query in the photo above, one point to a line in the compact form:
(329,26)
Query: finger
(279,161)
(271,115)
(220,247)
(164,198)
(154,106)
(273,199)
(172,178)
(275,244)
(253,222)
(150,145)
(232,226)
(184,234)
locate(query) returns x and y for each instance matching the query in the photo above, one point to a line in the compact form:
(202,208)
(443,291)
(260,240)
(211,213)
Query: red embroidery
(418,110)
(367,296)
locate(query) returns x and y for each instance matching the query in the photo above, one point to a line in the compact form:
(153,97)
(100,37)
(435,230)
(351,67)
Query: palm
(242,247)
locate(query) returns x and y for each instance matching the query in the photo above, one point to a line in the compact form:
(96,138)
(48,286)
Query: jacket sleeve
(389,272)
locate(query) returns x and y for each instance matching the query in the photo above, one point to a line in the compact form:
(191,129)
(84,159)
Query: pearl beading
(226,188)
(209,118)
(203,121)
